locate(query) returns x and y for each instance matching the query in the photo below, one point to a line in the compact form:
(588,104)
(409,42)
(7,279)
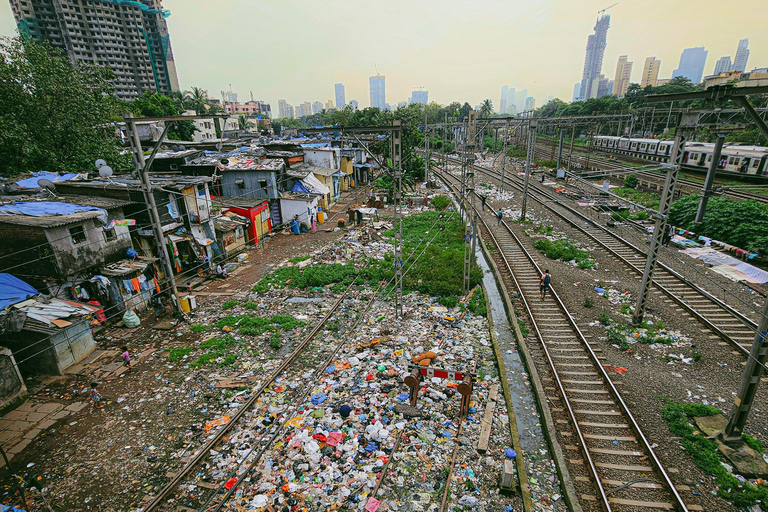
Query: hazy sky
(458,50)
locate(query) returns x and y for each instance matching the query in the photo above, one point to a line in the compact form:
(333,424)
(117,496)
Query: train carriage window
(643,147)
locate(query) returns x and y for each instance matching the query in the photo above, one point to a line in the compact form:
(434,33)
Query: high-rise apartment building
(503,100)
(420,97)
(593,61)
(354,104)
(511,98)
(520,97)
(130,37)
(317,107)
(623,73)
(723,65)
(530,103)
(282,109)
(742,56)
(692,62)
(576,91)
(378,91)
(341,99)
(650,72)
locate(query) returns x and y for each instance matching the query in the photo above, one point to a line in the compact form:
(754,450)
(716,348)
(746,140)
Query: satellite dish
(47,185)
(100,163)
(135,175)
(105,171)
(174,148)
(182,148)
(224,161)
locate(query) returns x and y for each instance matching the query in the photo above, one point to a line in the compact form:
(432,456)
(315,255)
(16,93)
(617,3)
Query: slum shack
(46,335)
(257,211)
(231,233)
(130,283)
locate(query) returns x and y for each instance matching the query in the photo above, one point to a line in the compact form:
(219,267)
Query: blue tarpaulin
(43,175)
(315,145)
(13,290)
(299,187)
(45,208)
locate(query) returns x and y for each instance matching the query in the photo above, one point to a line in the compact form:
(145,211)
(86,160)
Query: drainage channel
(542,473)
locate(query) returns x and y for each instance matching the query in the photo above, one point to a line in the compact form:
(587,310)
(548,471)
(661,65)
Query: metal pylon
(468,181)
(528,159)
(397,177)
(684,130)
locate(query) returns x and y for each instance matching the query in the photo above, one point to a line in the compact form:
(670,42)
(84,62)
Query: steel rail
(595,360)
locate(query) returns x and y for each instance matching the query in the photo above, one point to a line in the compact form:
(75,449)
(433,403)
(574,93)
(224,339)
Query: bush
(275,341)
(630,181)
(199,328)
(449,302)
(440,202)
(605,319)
(477,303)
(563,250)
(589,302)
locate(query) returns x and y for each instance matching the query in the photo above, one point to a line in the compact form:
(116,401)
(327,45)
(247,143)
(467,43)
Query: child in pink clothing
(127,359)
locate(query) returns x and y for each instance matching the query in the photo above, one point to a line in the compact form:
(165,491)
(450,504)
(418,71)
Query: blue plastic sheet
(13,290)
(44,175)
(45,208)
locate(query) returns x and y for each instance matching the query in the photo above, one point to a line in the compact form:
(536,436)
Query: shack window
(110,235)
(78,234)
(263,184)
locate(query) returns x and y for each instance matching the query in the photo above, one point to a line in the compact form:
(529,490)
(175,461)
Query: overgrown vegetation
(440,202)
(630,181)
(255,325)
(705,455)
(230,304)
(740,223)
(219,350)
(476,304)
(648,199)
(199,328)
(178,353)
(564,250)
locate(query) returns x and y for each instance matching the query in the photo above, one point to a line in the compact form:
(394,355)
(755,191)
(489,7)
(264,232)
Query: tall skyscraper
(742,56)
(503,100)
(510,99)
(692,62)
(593,62)
(130,37)
(282,109)
(341,99)
(520,97)
(378,91)
(623,73)
(530,103)
(420,97)
(650,72)
(723,65)
(576,91)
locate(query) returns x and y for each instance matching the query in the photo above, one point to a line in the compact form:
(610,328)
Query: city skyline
(204,57)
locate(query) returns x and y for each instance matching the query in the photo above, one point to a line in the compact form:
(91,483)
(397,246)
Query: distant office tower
(723,65)
(742,56)
(378,91)
(604,86)
(282,108)
(130,37)
(511,98)
(530,103)
(576,91)
(650,72)
(520,97)
(354,104)
(692,63)
(341,99)
(503,100)
(593,62)
(623,73)
(420,97)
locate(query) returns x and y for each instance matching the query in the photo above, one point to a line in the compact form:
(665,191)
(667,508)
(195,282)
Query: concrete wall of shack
(11,383)
(96,250)
(252,186)
(50,352)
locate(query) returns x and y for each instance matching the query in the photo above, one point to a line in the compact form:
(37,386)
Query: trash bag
(131,319)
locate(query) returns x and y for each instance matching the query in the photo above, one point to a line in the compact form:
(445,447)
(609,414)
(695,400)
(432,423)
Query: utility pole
(570,151)
(709,181)
(560,149)
(684,130)
(157,229)
(750,379)
(528,159)
(468,184)
(397,176)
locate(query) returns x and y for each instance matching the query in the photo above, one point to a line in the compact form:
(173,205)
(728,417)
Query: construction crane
(602,11)
(377,68)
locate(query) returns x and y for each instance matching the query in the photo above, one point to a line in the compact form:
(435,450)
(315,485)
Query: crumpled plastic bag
(131,319)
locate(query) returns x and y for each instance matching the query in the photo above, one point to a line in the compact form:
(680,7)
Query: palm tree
(243,123)
(196,100)
(486,109)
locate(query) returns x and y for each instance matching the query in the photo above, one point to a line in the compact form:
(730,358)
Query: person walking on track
(483,198)
(544,286)
(500,216)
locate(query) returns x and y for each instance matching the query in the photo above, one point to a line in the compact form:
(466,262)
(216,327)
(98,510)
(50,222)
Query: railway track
(247,428)
(598,419)
(691,186)
(723,320)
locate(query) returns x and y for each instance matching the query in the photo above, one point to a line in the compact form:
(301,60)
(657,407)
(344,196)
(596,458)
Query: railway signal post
(397,177)
(528,158)
(560,149)
(468,189)
(707,192)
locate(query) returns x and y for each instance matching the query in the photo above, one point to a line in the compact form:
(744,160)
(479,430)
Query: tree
(486,109)
(243,123)
(196,100)
(154,104)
